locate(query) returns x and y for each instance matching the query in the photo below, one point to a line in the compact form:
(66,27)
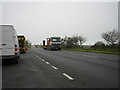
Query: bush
(98,45)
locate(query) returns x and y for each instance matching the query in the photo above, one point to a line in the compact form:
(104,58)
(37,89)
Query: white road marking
(68,76)
(39,57)
(47,62)
(35,55)
(54,67)
(43,60)
(89,56)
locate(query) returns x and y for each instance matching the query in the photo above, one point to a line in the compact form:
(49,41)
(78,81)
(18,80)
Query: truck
(22,43)
(53,43)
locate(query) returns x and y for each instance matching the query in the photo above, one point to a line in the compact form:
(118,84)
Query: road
(40,68)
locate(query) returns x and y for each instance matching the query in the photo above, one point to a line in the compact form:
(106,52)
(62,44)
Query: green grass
(106,51)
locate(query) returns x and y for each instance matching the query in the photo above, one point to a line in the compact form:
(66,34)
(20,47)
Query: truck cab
(54,43)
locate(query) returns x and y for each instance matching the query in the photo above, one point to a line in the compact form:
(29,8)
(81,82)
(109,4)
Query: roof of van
(7,25)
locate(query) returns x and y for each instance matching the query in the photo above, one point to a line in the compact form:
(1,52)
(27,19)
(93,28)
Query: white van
(9,45)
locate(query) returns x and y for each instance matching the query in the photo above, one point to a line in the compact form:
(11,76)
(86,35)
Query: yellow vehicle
(22,43)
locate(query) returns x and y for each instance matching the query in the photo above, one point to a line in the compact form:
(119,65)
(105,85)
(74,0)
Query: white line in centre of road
(68,76)
(37,56)
(47,62)
(54,67)
(43,60)
(90,56)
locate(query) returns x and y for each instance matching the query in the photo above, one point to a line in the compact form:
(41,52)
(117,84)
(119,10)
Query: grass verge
(106,51)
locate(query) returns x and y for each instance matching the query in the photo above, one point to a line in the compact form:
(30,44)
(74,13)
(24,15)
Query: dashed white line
(43,60)
(47,62)
(37,56)
(70,78)
(89,56)
(54,67)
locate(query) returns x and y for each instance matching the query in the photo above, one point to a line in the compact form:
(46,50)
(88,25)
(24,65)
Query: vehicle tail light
(15,47)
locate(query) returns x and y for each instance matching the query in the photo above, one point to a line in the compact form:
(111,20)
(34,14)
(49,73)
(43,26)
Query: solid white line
(54,67)
(43,60)
(47,62)
(68,76)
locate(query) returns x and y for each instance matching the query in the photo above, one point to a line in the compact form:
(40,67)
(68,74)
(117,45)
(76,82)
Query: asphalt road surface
(40,68)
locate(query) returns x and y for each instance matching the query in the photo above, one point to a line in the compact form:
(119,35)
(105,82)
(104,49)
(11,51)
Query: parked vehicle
(9,45)
(36,46)
(53,43)
(22,43)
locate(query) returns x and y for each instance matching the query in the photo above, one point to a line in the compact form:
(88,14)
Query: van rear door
(0,41)
(7,41)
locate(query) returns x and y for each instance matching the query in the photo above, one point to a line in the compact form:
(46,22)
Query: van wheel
(51,49)
(17,60)
(24,51)
(59,49)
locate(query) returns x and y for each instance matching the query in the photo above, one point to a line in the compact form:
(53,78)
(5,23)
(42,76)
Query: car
(9,45)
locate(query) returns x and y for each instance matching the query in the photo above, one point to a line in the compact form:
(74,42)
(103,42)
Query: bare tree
(28,43)
(75,40)
(64,40)
(111,37)
(69,43)
(81,40)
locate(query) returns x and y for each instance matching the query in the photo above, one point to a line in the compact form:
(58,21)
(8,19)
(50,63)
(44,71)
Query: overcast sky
(40,20)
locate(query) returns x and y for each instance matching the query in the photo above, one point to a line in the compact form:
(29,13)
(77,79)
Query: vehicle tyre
(59,49)
(17,60)
(24,51)
(21,52)
(51,49)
